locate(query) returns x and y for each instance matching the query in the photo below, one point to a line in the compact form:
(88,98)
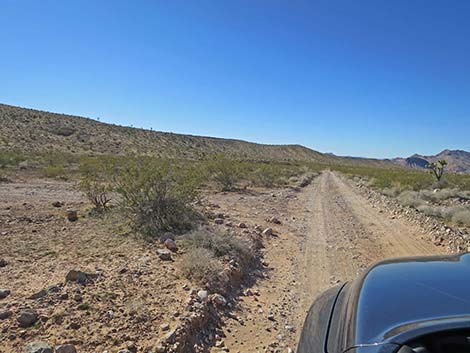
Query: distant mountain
(29,130)
(458,160)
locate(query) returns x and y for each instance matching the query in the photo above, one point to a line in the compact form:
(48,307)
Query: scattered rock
(160,348)
(166,236)
(132,347)
(57,204)
(79,276)
(203,295)
(5,314)
(218,221)
(171,245)
(268,232)
(27,317)
(65,348)
(170,337)
(164,254)
(3,262)
(219,300)
(72,215)
(41,294)
(4,293)
(38,347)
(241,225)
(274,220)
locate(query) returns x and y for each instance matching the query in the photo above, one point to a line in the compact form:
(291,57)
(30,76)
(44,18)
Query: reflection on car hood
(397,299)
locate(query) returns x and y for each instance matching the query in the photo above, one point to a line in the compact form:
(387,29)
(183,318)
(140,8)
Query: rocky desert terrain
(86,286)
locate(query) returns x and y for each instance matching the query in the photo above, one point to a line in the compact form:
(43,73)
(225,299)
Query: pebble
(38,347)
(65,348)
(4,293)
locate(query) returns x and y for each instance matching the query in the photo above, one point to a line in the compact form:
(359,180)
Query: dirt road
(331,234)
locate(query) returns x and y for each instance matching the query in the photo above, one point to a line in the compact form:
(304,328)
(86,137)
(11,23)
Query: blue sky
(369,78)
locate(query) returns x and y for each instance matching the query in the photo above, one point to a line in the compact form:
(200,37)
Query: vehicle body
(407,305)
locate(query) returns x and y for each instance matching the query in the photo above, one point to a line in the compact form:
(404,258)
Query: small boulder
(166,236)
(65,348)
(268,232)
(3,262)
(218,221)
(79,276)
(27,317)
(5,314)
(171,245)
(72,215)
(57,204)
(41,294)
(274,220)
(241,225)
(165,326)
(203,295)
(219,300)
(164,254)
(4,293)
(38,347)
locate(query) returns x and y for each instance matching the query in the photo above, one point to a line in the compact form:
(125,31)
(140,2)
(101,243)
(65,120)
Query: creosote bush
(224,171)
(97,192)
(157,197)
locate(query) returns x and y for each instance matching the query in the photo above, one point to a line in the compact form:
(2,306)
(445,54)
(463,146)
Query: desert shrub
(200,265)
(410,198)
(54,171)
(97,192)
(441,184)
(450,211)
(156,197)
(9,158)
(221,245)
(391,191)
(430,210)
(268,175)
(462,217)
(225,172)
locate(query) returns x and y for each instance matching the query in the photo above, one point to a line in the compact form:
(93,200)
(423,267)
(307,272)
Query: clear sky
(376,78)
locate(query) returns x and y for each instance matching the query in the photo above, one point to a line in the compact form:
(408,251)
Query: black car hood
(400,299)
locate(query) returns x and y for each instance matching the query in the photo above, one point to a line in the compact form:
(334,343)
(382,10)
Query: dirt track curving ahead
(332,233)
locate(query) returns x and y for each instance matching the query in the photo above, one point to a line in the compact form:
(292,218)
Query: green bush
(225,172)
(269,175)
(157,197)
(97,192)
(54,171)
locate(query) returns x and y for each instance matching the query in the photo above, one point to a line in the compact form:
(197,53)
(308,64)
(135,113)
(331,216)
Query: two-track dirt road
(330,235)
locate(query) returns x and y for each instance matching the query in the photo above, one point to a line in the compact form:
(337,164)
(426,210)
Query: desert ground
(321,235)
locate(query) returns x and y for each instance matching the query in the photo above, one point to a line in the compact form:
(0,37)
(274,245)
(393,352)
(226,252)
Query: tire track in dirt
(329,234)
(345,234)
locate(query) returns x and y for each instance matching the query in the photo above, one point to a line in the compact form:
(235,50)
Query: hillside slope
(458,161)
(29,130)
